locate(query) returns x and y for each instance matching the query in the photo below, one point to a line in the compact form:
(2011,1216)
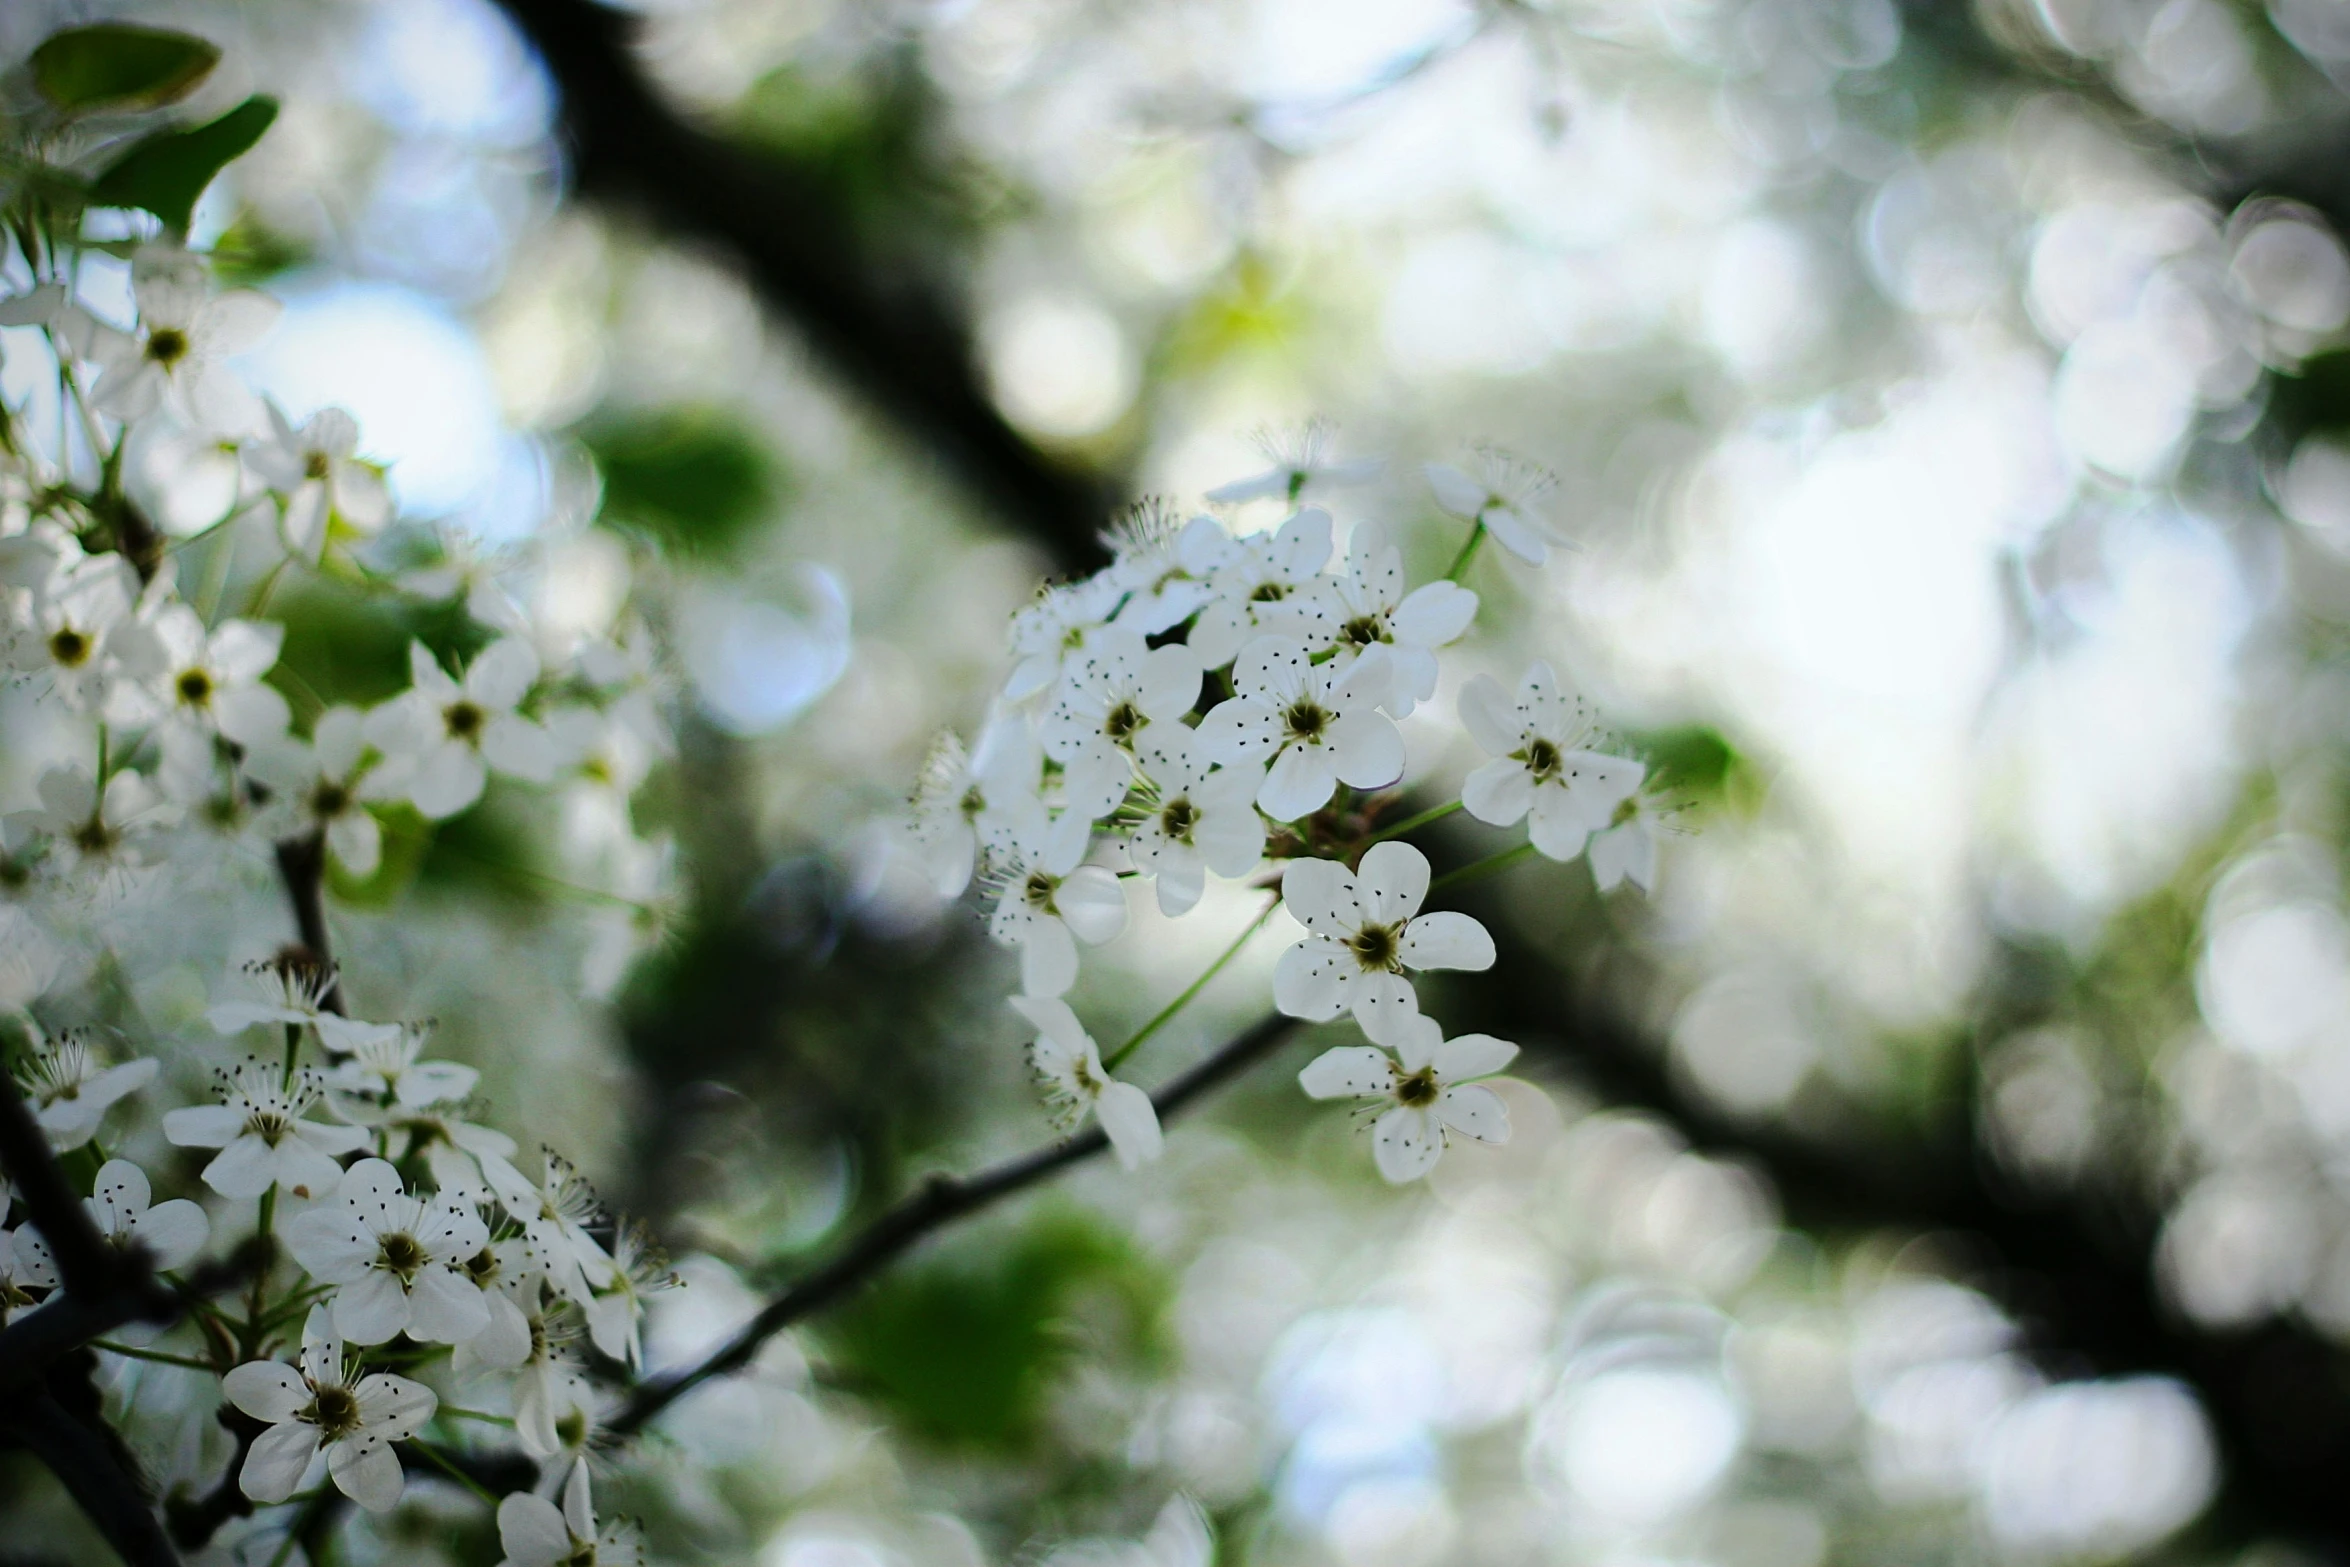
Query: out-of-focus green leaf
(166,172)
(346,646)
(965,1349)
(693,478)
(115,65)
(1696,762)
(249,253)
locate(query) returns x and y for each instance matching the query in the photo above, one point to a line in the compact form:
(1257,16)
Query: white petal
(444,1308)
(395,1406)
(1271,669)
(1048,959)
(1314,980)
(531,1530)
(266,1390)
(520,749)
(1054,1021)
(1365,749)
(1092,903)
(275,1465)
(504,671)
(366,1470)
(1472,1055)
(247,1167)
(1455,491)
(1474,1110)
(371,1309)
(1239,731)
(1489,716)
(1405,1144)
(1434,615)
(1555,827)
(357,842)
(1348,1072)
(449,779)
(1629,850)
(1127,1115)
(1322,896)
(1181,880)
(1499,792)
(174,1231)
(1170,682)
(1379,1002)
(1447,940)
(1392,881)
(1299,783)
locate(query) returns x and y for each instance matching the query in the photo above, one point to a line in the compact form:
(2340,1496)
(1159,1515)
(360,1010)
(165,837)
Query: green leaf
(117,66)
(694,478)
(164,173)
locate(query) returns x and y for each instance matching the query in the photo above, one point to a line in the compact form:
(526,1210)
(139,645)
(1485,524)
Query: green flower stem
(1168,1012)
(441,1462)
(156,1355)
(1434,813)
(1460,562)
(455,1413)
(1478,870)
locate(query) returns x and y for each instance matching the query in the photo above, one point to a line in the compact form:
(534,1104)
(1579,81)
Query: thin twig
(937,1203)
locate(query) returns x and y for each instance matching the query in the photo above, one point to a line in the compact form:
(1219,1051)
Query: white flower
(1626,846)
(554,1403)
(1364,930)
(509,1274)
(210,681)
(1070,1066)
(1265,582)
(177,352)
(71,1093)
(318,480)
(1318,724)
(639,1268)
(25,1266)
(123,1206)
(328,782)
(1501,500)
(262,1138)
(1368,607)
(442,738)
(1301,462)
(962,797)
(382,1063)
(294,988)
(1116,691)
(1428,1082)
(1162,563)
(1544,767)
(536,1533)
(467,1161)
(397,1261)
(466,572)
(1198,821)
(1048,633)
(81,637)
(1046,902)
(103,831)
(554,1213)
(319,1408)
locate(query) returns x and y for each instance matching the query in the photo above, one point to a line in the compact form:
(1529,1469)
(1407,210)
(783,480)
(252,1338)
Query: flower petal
(1315,980)
(1093,903)
(1299,783)
(1446,940)
(1132,1123)
(1499,792)
(444,1308)
(1365,747)
(266,1390)
(1472,1055)
(1393,878)
(1405,1144)
(1489,716)
(1348,1072)
(280,1455)
(531,1530)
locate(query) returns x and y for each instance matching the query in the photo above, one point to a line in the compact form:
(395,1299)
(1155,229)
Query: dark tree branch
(301,866)
(877,318)
(86,1467)
(937,1203)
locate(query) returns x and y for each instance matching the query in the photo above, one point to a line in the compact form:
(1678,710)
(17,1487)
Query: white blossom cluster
(1213,703)
(417,1259)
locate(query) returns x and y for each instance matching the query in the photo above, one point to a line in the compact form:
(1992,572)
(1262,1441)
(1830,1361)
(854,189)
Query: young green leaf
(117,66)
(165,172)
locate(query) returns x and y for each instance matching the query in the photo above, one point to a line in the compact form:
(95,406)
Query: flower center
(1306,721)
(401,1254)
(317,466)
(1177,818)
(330,798)
(1364,630)
(335,1411)
(1269,593)
(465,720)
(270,1126)
(482,1267)
(1374,947)
(972,803)
(167,346)
(69,647)
(96,837)
(1123,721)
(572,1429)
(1625,811)
(194,687)
(1419,1089)
(1039,890)
(1542,759)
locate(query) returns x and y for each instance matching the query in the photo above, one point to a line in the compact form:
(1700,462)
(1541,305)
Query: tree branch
(88,1471)
(876,318)
(939,1201)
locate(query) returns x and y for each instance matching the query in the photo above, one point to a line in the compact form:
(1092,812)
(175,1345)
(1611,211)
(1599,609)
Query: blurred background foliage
(1951,1162)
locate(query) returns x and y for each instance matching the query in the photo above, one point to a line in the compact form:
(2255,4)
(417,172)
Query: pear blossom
(81,637)
(534,1532)
(1265,582)
(961,796)
(328,784)
(1163,564)
(1367,607)
(1318,725)
(468,573)
(1049,632)
(316,1406)
(1625,849)
(1198,820)
(296,991)
(25,1266)
(554,1212)
(1429,1083)
(382,1064)
(1069,1065)
(262,1136)
(509,1273)
(122,1205)
(1301,463)
(210,681)
(1501,500)
(1116,691)
(317,479)
(443,737)
(397,1261)
(466,1160)
(1544,767)
(176,354)
(552,1395)
(639,1268)
(1046,902)
(95,829)
(1364,929)
(70,1092)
